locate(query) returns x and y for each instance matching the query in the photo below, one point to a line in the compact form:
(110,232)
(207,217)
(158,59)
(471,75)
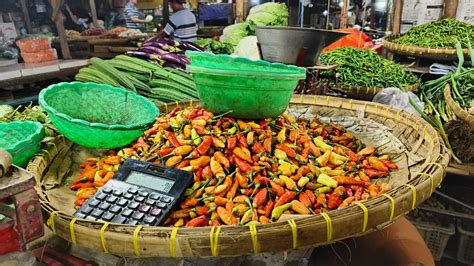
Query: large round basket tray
(422,167)
(432,53)
(457,110)
(368,93)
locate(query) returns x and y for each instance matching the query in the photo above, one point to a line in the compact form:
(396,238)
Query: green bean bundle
(442,33)
(366,69)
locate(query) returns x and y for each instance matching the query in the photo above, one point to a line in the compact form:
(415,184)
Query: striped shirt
(183,26)
(131,11)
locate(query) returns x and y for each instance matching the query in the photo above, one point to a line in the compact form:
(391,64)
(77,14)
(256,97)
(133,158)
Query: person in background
(133,16)
(182,24)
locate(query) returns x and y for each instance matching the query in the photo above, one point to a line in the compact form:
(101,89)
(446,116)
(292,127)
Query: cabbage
(269,14)
(234,33)
(248,48)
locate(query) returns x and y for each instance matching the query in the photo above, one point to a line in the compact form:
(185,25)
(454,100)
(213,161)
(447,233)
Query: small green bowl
(97,115)
(249,89)
(22,139)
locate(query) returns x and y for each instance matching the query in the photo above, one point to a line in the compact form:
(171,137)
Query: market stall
(245,145)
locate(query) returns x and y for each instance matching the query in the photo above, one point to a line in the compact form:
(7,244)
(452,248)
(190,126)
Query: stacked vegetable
(365,69)
(165,52)
(159,84)
(442,33)
(248,172)
(215,46)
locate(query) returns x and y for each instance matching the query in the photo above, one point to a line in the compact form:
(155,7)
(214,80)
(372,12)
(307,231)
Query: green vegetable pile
(439,34)
(28,113)
(159,84)
(366,69)
(216,47)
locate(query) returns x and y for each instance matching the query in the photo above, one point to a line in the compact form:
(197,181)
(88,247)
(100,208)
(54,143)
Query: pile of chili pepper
(248,172)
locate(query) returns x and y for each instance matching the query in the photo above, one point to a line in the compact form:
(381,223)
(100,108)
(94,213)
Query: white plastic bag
(396,98)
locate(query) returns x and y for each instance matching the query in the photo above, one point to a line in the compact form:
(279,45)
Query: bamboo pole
(94,13)
(450,8)
(397,16)
(59,21)
(344,10)
(24,8)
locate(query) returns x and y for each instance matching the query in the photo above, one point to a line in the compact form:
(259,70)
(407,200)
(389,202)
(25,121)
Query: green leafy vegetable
(216,47)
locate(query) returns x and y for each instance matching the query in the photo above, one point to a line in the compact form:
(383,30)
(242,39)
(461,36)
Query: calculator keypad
(126,204)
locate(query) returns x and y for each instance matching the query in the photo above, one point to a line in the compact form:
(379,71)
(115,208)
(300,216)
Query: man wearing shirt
(132,16)
(182,24)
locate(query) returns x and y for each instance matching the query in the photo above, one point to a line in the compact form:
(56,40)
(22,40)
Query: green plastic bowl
(97,115)
(22,139)
(250,89)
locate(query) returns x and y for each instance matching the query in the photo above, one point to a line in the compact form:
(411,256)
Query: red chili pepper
(231,142)
(80,202)
(263,123)
(172,139)
(262,180)
(243,165)
(372,173)
(228,120)
(198,221)
(257,148)
(279,190)
(242,140)
(311,196)
(246,191)
(207,173)
(198,175)
(267,144)
(205,145)
(358,193)
(303,198)
(269,208)
(174,112)
(81,185)
(334,201)
(165,151)
(285,198)
(182,164)
(261,197)
(390,164)
(202,210)
(345,180)
(199,129)
(366,165)
(349,192)
(289,151)
(352,156)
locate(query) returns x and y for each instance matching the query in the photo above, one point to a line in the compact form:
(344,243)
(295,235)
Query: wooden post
(397,16)
(166,12)
(94,13)
(372,14)
(59,21)
(344,10)
(450,8)
(239,11)
(24,8)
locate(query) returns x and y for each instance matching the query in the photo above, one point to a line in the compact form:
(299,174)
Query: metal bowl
(295,46)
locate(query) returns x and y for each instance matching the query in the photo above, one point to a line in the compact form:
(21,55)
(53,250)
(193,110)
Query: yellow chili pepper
(337,159)
(323,159)
(183,150)
(286,169)
(216,168)
(199,122)
(187,131)
(281,136)
(281,155)
(289,183)
(303,181)
(321,144)
(278,211)
(179,222)
(173,160)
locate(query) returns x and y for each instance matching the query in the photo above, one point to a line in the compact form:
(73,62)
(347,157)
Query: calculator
(140,193)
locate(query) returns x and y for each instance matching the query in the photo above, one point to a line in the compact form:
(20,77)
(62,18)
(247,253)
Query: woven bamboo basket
(369,93)
(457,110)
(422,178)
(433,53)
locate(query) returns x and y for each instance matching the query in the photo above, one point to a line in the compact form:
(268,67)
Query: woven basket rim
(404,199)
(135,126)
(388,43)
(456,108)
(37,131)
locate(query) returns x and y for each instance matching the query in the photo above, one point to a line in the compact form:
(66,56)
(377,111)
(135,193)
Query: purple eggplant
(169,57)
(192,47)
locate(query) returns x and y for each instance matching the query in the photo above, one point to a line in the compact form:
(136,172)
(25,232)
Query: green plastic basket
(250,89)
(22,139)
(97,115)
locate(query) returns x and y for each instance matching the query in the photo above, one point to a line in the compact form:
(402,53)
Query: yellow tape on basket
(253,235)
(55,147)
(366,215)
(294,231)
(431,179)
(102,237)
(214,239)
(136,247)
(173,242)
(71,230)
(48,153)
(413,189)
(328,225)
(50,221)
(301,98)
(392,208)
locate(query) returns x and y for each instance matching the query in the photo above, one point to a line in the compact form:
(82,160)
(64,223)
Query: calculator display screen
(150,181)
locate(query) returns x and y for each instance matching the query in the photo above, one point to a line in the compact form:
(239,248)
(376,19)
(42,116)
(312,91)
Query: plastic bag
(396,98)
(7,51)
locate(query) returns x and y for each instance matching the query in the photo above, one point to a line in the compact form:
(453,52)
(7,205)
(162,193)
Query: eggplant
(169,57)
(192,46)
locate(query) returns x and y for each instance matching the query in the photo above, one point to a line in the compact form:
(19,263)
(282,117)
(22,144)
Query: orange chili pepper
(243,166)
(207,173)
(220,157)
(279,190)
(352,156)
(285,198)
(303,198)
(113,160)
(310,196)
(260,197)
(173,160)
(233,190)
(299,207)
(267,144)
(202,210)
(200,162)
(242,140)
(226,216)
(243,180)
(188,202)
(218,143)
(289,151)
(183,150)
(172,139)
(220,201)
(216,168)
(242,125)
(242,155)
(390,164)
(377,164)
(198,221)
